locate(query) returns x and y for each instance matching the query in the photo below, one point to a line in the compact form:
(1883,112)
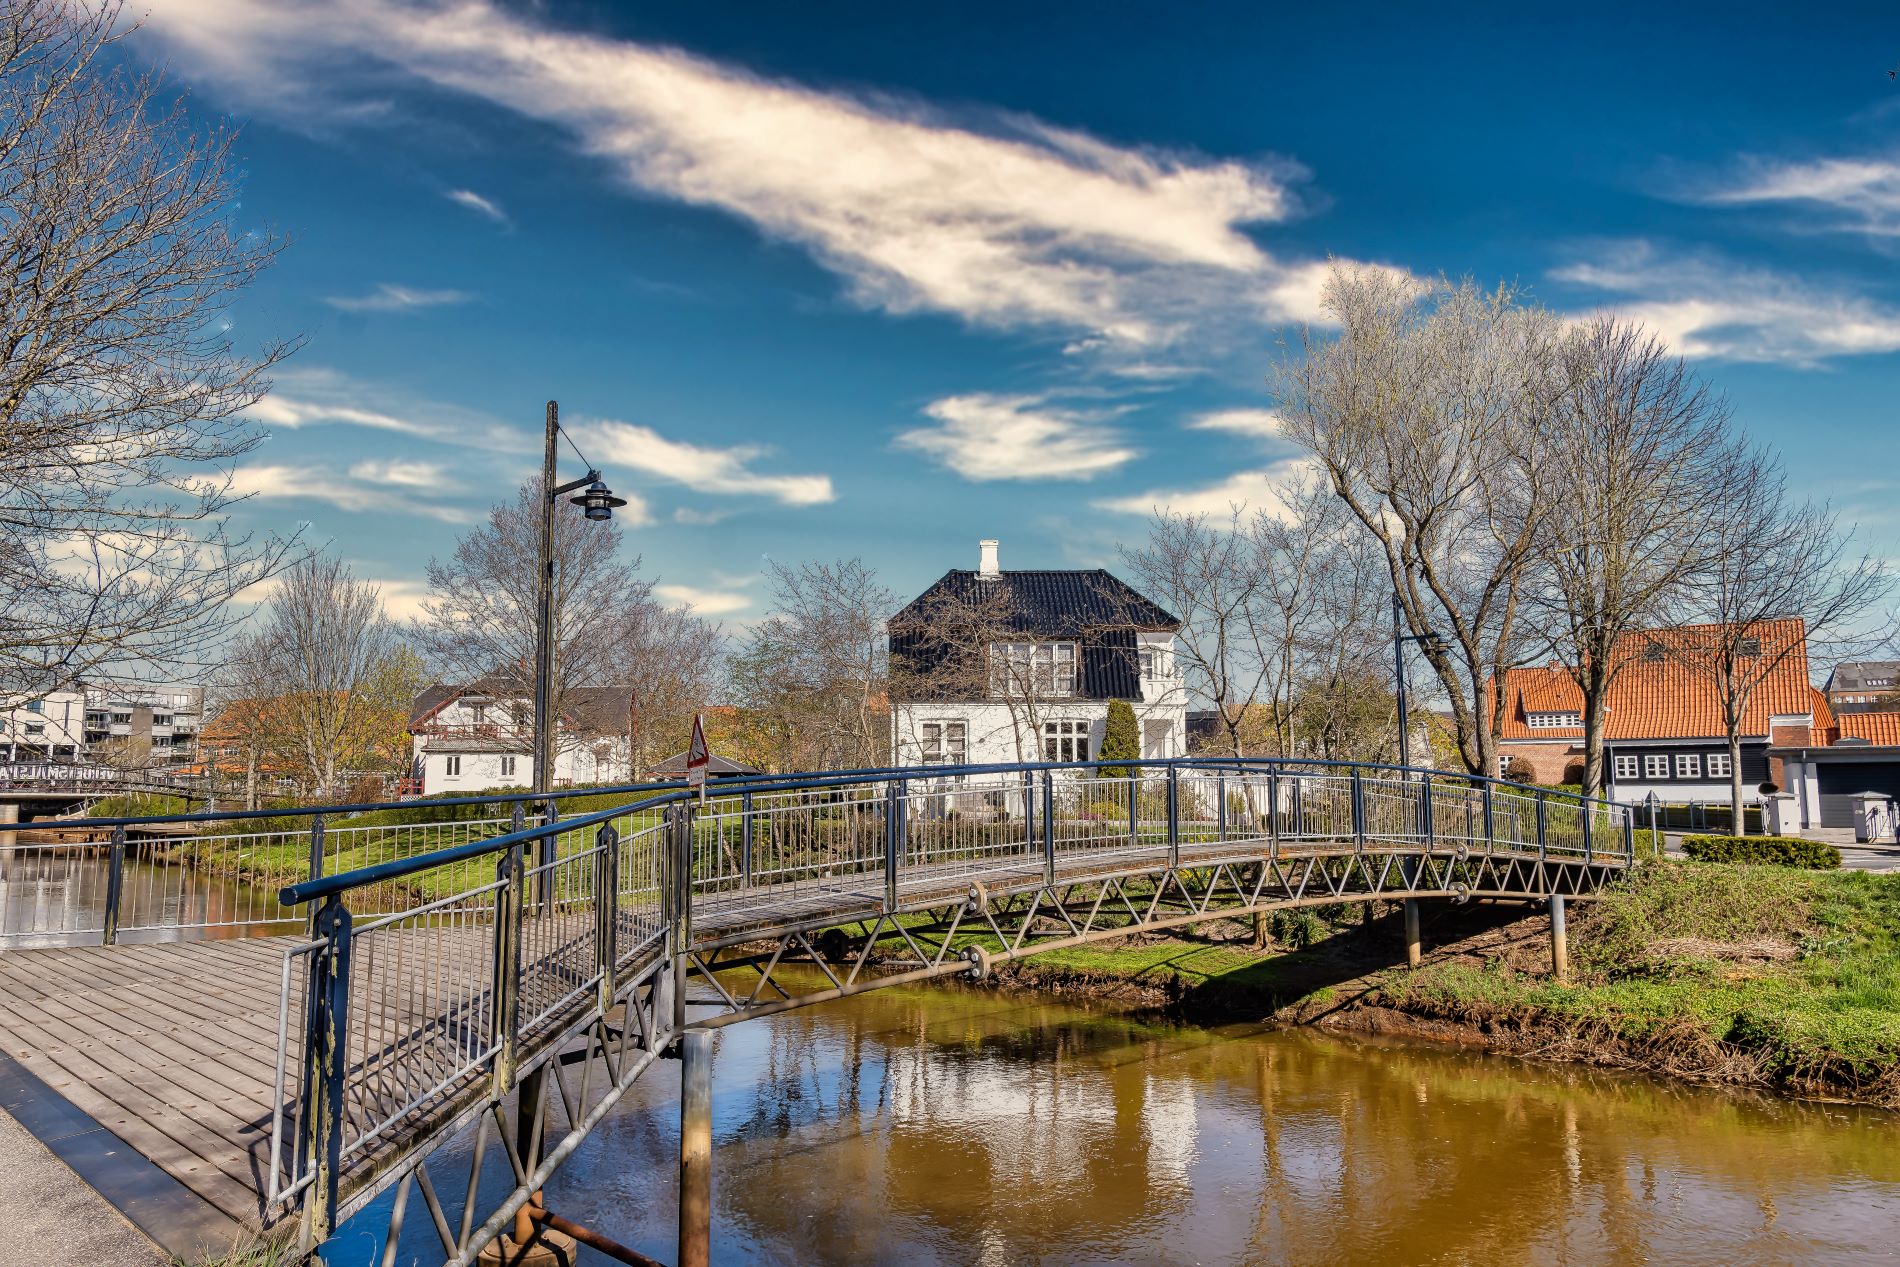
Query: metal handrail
(669,793)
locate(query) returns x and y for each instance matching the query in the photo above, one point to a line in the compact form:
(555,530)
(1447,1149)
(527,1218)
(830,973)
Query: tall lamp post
(1432,643)
(597,504)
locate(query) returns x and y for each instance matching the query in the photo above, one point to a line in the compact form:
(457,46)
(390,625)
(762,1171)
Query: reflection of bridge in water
(469,999)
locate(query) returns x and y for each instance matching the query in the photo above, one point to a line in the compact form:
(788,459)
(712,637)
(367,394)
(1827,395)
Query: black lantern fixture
(598,501)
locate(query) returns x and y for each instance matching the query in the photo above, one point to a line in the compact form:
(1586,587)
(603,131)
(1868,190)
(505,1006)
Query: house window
(452,766)
(161,719)
(1038,670)
(121,719)
(1718,765)
(1147,662)
(1688,765)
(1555,721)
(1625,767)
(478,713)
(36,706)
(1655,766)
(945,742)
(1748,648)
(35,728)
(1065,741)
(507,767)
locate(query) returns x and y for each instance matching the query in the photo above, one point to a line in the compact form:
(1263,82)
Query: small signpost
(697,758)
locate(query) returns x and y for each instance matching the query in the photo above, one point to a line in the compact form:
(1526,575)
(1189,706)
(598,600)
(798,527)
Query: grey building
(1855,686)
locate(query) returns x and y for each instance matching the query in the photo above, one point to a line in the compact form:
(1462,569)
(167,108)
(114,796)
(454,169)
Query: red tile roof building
(1663,717)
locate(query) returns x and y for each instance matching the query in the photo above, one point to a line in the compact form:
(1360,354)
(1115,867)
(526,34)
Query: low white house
(1056,648)
(51,728)
(480,736)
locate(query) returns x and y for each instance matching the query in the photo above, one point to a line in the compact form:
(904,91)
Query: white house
(472,738)
(1058,647)
(52,728)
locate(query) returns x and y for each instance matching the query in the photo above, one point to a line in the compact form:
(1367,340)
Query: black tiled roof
(1052,604)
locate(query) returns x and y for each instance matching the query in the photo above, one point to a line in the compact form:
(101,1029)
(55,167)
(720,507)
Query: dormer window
(1555,721)
(1032,670)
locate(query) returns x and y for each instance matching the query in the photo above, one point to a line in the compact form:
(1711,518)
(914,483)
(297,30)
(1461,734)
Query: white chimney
(987,569)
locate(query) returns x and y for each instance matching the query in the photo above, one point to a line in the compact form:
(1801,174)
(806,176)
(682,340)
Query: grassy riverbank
(1760,976)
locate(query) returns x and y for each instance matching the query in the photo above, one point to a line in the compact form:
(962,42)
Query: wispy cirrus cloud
(390,297)
(313,396)
(1003,220)
(1253,490)
(1256,424)
(398,473)
(702,468)
(1707,306)
(1859,194)
(486,207)
(279,482)
(985,437)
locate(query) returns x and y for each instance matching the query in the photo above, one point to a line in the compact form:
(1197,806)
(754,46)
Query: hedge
(1780,851)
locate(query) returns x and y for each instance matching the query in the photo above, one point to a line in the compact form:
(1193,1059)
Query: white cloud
(1864,191)
(1705,306)
(705,602)
(271,482)
(702,469)
(990,437)
(1259,490)
(479,205)
(1257,424)
(389,297)
(399,473)
(307,396)
(1003,220)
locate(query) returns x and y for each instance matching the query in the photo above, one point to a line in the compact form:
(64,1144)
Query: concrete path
(49,1215)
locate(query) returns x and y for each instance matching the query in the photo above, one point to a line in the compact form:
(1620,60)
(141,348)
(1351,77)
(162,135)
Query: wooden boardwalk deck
(170,1046)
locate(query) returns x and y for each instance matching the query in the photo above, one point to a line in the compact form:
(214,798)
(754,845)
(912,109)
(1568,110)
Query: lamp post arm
(555,493)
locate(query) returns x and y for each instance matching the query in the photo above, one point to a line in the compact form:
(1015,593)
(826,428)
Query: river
(951,1125)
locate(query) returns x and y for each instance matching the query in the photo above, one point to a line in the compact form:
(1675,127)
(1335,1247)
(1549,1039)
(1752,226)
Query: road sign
(697,756)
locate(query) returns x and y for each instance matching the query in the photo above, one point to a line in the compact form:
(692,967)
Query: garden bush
(1780,851)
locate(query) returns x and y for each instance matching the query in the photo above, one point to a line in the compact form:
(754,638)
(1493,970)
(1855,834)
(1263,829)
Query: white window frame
(507,767)
(1555,721)
(452,767)
(1655,765)
(1627,766)
(1716,766)
(1040,670)
(1065,740)
(944,741)
(1688,765)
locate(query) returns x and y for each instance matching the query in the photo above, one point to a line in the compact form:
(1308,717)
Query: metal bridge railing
(431,977)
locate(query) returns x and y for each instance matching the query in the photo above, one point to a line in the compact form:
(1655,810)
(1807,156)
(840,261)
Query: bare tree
(323,650)
(1212,574)
(479,622)
(1638,462)
(1425,416)
(816,668)
(1772,559)
(121,390)
(673,662)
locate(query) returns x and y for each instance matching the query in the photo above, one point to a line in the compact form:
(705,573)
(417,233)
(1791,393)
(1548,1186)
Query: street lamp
(1433,645)
(597,503)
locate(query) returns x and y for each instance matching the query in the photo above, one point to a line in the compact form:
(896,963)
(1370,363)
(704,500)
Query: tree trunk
(1739,822)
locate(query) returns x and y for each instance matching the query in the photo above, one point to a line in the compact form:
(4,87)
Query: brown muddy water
(950,1125)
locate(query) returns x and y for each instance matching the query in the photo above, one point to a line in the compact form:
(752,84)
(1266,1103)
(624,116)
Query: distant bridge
(417,981)
(60,785)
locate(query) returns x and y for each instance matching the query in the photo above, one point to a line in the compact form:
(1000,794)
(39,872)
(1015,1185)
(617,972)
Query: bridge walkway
(172,1046)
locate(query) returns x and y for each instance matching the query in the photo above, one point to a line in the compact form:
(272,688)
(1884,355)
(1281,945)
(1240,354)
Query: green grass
(1796,972)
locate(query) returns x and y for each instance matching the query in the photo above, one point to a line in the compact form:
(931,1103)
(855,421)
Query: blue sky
(878,280)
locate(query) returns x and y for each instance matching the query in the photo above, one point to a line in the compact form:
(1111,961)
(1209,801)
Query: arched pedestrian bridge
(426,1003)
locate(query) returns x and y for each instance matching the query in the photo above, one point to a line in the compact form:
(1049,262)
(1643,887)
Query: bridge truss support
(971,932)
(695,1228)
(1559,941)
(1413,946)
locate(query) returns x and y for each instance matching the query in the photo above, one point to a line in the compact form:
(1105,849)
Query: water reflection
(953,1126)
(54,894)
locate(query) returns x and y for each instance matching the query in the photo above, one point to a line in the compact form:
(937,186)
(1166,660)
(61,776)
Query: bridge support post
(1412,955)
(1559,941)
(115,884)
(695,1229)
